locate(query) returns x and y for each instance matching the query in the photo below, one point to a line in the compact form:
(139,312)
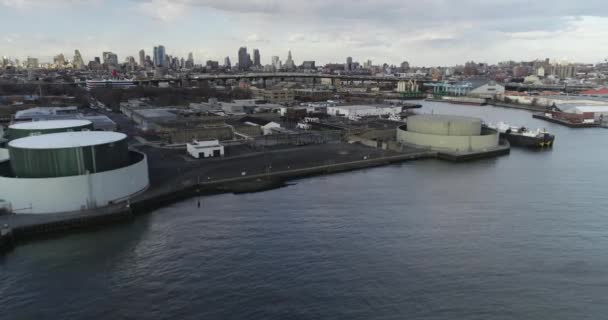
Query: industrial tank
(26,129)
(68,154)
(444,125)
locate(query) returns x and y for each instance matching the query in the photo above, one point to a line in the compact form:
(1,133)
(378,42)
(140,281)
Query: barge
(524,137)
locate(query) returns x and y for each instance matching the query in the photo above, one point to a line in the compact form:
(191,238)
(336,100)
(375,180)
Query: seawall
(20,228)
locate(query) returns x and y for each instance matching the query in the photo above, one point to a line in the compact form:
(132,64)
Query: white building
(363,110)
(488,90)
(205,149)
(266,125)
(599,112)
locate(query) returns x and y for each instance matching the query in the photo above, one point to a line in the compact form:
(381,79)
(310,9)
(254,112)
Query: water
(517,237)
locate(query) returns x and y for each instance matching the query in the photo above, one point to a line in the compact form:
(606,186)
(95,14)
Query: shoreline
(495,104)
(29,227)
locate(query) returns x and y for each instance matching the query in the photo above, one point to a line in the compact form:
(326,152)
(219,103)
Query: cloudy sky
(423,32)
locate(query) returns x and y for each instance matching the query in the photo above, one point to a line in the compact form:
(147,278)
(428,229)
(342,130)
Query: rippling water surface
(518,237)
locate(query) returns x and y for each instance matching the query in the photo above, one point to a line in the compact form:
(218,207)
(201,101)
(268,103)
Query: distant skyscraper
(154,56)
(290,64)
(349,64)
(78,62)
(159,56)
(227,63)
(308,65)
(59,60)
(189,64)
(244,59)
(32,63)
(110,58)
(142,58)
(276,63)
(256,58)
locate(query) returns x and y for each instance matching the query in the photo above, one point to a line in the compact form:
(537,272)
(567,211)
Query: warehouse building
(446,132)
(597,112)
(71,171)
(267,126)
(363,110)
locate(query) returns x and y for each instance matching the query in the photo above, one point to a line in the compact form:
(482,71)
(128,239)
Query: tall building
(142,58)
(159,56)
(78,62)
(308,65)
(256,58)
(212,65)
(349,64)
(227,63)
(244,59)
(276,63)
(110,58)
(289,64)
(59,60)
(564,71)
(32,63)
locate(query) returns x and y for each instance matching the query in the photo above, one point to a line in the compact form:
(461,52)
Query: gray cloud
(388,29)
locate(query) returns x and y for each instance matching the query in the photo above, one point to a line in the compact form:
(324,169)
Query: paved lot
(167,165)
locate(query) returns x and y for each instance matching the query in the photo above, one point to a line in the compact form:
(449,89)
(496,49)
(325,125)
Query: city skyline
(433,33)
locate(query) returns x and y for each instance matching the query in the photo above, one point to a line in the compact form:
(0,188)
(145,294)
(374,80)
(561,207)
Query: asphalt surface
(169,165)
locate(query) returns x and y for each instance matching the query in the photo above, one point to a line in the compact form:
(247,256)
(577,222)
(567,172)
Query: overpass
(281,76)
(549,87)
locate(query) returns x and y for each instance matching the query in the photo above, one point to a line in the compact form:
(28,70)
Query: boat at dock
(524,137)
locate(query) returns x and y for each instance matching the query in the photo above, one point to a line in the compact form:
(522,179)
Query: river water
(523,236)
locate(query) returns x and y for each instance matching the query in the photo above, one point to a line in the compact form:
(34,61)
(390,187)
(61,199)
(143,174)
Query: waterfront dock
(566,123)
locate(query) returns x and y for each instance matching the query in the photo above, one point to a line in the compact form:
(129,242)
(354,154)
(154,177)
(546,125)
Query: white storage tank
(444,125)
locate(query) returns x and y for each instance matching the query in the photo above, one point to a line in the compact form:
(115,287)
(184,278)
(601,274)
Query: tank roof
(444,117)
(67,140)
(50,124)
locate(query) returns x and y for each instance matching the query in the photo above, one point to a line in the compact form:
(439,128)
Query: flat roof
(590,108)
(50,124)
(444,117)
(67,140)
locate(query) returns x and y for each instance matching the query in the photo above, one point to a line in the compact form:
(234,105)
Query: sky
(423,32)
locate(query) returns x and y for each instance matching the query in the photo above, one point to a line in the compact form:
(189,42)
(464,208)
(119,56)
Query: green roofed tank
(26,129)
(68,154)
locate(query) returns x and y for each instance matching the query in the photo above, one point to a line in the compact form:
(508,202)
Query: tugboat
(523,137)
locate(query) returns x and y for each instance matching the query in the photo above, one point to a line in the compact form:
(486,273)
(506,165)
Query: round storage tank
(26,129)
(444,125)
(68,154)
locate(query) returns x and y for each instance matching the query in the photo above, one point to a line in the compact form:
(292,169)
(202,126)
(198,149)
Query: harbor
(429,209)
